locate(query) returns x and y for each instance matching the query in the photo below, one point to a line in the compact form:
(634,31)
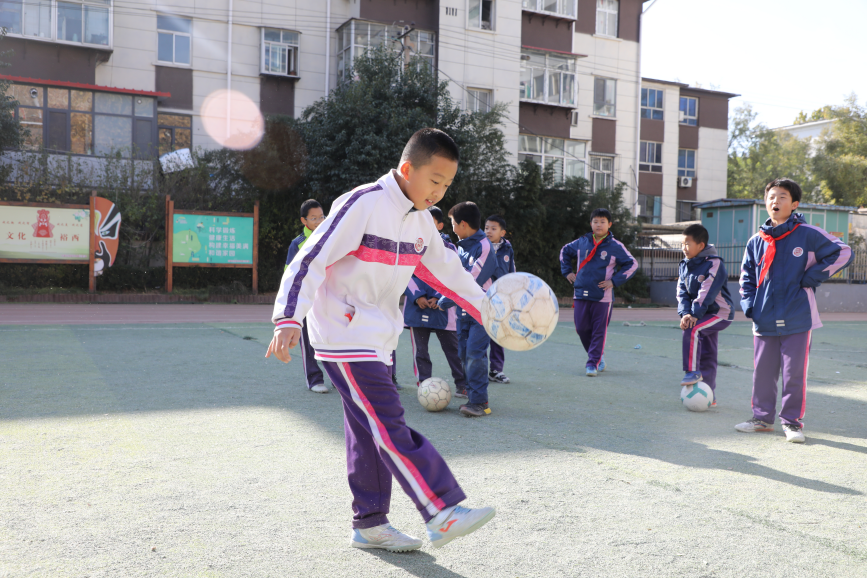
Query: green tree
(11,133)
(840,163)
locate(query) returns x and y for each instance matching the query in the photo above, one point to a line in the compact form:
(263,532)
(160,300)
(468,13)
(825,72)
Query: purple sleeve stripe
(842,258)
(708,282)
(292,297)
(381,244)
(629,272)
(413,286)
(480,262)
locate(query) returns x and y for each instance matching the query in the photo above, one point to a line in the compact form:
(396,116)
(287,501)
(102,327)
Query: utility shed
(734,221)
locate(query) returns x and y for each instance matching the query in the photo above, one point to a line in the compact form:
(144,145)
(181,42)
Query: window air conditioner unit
(684,182)
(680,116)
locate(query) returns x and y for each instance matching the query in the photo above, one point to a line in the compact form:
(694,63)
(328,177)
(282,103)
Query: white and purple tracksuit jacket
(348,277)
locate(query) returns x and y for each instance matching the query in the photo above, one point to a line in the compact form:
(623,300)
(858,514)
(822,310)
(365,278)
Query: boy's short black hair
(426,143)
(309,205)
(497,219)
(786,184)
(697,233)
(601,213)
(437,214)
(467,212)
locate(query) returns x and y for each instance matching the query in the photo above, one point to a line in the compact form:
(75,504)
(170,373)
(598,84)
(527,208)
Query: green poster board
(221,239)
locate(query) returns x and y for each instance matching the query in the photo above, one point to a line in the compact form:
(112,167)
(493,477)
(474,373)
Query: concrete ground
(155,449)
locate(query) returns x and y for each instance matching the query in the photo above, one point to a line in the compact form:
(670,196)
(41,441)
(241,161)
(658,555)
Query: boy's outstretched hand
(284,340)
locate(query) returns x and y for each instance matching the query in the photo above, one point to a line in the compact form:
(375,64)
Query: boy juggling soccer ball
(597,254)
(783,264)
(477,257)
(311,216)
(704,305)
(422,316)
(349,277)
(495,231)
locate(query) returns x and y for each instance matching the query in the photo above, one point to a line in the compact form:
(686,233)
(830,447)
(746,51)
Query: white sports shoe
(794,434)
(320,388)
(386,537)
(455,522)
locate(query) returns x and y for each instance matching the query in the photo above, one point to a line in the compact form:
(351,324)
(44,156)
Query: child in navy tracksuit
(704,305)
(477,257)
(495,231)
(347,281)
(422,316)
(783,265)
(597,255)
(311,216)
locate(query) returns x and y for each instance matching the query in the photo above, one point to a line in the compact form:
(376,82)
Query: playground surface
(156,440)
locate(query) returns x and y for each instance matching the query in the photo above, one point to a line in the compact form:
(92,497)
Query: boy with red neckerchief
(597,255)
(783,264)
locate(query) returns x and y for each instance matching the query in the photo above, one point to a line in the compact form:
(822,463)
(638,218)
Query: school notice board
(44,234)
(217,239)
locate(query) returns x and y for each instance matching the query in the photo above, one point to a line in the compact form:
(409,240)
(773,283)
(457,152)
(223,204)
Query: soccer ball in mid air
(434,394)
(520,311)
(696,397)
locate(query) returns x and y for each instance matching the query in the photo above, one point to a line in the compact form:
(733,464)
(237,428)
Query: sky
(782,56)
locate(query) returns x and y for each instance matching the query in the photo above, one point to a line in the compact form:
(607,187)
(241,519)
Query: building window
(688,110)
(649,209)
(565,157)
(560,7)
(175,132)
(174,39)
(279,52)
(79,21)
(686,163)
(479,100)
(601,173)
(685,212)
(481,14)
(84,122)
(604,97)
(606,17)
(548,78)
(650,160)
(651,103)
(356,37)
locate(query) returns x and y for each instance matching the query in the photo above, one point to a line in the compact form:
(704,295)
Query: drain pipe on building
(327,47)
(638,107)
(229,76)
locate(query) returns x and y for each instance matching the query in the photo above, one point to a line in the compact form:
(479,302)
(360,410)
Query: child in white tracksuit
(347,281)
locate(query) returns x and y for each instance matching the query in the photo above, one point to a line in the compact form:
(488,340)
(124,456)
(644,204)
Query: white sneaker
(455,522)
(320,388)
(386,537)
(794,434)
(754,425)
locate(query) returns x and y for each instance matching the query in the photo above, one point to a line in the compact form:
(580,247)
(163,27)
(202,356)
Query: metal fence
(659,261)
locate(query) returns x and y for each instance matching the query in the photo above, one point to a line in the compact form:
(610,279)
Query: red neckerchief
(593,251)
(770,252)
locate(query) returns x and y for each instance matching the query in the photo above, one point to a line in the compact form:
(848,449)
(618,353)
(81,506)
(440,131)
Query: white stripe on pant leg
(605,337)
(395,458)
(695,338)
(806,369)
(412,339)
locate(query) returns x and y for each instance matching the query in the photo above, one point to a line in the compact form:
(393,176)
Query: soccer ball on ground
(434,394)
(520,311)
(696,397)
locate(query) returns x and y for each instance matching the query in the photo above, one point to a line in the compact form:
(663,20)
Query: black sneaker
(475,410)
(461,393)
(498,376)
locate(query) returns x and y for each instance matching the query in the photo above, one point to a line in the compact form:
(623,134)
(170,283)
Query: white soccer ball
(696,397)
(434,394)
(520,311)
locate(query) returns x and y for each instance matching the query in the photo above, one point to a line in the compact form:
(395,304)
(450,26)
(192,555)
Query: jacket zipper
(396,263)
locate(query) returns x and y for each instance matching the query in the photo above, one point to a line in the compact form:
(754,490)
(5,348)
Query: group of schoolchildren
(393,225)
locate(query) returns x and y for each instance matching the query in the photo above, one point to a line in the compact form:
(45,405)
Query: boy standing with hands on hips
(598,254)
(349,277)
(783,264)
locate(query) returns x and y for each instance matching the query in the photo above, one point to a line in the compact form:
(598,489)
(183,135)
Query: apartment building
(93,76)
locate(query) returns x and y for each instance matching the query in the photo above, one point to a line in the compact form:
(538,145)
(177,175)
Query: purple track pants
(700,344)
(591,323)
(791,354)
(312,373)
(498,357)
(380,445)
